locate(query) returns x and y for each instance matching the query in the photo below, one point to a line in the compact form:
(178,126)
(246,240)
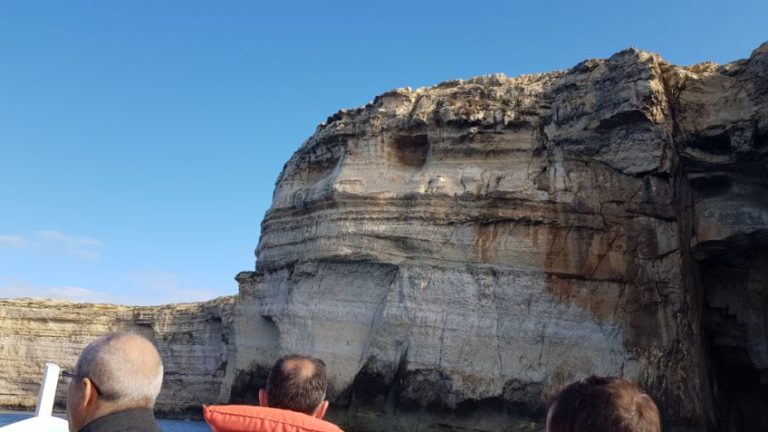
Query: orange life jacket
(247,418)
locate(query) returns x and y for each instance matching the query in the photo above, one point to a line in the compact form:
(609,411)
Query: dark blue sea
(166,425)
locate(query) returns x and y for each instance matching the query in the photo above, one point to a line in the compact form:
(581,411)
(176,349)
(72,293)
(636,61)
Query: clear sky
(140,140)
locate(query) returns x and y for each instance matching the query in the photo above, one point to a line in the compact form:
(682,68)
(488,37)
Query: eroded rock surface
(193,340)
(723,137)
(455,252)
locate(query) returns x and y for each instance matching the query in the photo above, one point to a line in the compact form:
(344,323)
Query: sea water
(7,418)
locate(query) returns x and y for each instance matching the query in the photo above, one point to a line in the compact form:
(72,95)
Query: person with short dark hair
(296,382)
(602,404)
(293,399)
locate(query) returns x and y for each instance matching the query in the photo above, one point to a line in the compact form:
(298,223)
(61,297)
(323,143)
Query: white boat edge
(43,421)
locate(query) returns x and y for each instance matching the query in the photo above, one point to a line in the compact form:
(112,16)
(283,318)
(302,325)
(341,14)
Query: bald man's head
(126,368)
(297,383)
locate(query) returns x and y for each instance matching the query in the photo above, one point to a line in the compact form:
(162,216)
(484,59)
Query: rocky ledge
(456,252)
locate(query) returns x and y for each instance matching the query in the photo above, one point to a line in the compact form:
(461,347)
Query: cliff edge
(456,252)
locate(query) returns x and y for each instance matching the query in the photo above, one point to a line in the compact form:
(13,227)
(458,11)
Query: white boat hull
(38,424)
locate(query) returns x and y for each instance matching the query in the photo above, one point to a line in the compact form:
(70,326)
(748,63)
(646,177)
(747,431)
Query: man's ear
(90,395)
(321,409)
(263,401)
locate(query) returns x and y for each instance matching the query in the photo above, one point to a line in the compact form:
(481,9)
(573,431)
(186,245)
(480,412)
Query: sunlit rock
(456,252)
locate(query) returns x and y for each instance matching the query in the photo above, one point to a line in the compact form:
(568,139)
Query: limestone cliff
(193,340)
(454,252)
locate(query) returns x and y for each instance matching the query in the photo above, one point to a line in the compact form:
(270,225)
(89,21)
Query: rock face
(193,340)
(455,252)
(723,139)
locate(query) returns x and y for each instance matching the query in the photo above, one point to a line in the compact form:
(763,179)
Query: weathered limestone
(193,340)
(723,137)
(455,252)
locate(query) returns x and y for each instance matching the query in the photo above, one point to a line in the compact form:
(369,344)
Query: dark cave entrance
(735,283)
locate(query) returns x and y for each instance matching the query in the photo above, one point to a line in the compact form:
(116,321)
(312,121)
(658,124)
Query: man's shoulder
(130,420)
(231,418)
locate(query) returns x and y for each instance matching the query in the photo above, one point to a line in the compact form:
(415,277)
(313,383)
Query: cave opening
(409,150)
(719,144)
(736,300)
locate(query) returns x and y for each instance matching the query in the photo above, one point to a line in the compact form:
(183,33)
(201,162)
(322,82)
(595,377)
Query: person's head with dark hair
(296,382)
(602,404)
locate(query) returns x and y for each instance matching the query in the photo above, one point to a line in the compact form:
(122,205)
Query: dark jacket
(130,420)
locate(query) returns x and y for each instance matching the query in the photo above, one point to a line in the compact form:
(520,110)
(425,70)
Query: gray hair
(125,367)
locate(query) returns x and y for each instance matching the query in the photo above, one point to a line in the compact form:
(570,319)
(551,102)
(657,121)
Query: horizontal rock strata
(193,340)
(456,252)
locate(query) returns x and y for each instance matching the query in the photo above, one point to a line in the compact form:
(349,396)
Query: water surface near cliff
(9,417)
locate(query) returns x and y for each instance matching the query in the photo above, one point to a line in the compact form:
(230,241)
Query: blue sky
(141,140)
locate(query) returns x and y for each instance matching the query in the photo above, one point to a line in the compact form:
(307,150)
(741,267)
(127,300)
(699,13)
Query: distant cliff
(193,340)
